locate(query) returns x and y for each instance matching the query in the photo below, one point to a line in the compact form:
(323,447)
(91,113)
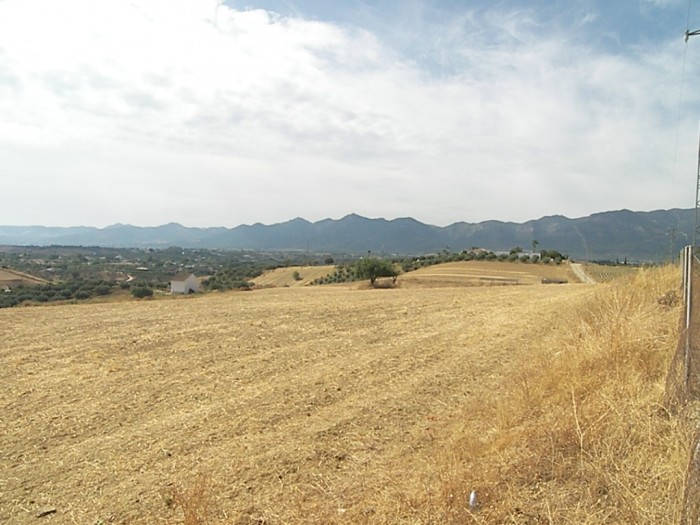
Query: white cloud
(271,117)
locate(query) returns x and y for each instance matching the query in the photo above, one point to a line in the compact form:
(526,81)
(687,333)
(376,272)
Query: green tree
(371,268)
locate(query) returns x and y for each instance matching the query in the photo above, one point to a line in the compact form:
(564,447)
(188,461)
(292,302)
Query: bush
(142,292)
(102,289)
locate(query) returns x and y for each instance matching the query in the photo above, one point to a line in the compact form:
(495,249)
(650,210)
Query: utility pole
(696,229)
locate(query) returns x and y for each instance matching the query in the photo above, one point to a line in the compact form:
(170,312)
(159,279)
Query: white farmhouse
(184,283)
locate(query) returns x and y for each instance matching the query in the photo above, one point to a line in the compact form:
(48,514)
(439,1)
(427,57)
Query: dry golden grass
(285,276)
(578,435)
(328,405)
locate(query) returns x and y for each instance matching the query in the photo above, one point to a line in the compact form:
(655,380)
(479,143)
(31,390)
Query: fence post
(690,514)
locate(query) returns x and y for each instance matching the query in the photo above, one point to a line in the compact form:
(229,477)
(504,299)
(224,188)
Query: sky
(227,112)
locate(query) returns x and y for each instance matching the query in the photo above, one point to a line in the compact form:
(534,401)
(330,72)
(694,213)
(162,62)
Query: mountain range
(652,236)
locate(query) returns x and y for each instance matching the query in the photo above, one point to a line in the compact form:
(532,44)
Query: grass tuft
(194,503)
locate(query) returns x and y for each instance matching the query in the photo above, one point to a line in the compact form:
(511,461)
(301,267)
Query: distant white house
(184,283)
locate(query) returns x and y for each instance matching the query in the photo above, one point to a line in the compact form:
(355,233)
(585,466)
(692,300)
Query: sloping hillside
(12,278)
(293,275)
(485,273)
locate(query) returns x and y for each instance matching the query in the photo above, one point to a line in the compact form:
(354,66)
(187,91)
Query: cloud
(501,115)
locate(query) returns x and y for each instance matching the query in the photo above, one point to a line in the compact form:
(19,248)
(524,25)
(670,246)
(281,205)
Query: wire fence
(683,380)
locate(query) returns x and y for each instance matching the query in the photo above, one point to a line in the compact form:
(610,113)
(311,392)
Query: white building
(184,283)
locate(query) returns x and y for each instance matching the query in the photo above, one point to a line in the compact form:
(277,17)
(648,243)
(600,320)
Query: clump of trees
(70,291)
(476,254)
(233,277)
(366,268)
(341,274)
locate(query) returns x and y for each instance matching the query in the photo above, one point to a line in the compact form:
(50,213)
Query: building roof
(181,277)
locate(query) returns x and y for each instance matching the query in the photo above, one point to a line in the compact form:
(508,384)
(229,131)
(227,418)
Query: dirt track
(581,273)
(294,402)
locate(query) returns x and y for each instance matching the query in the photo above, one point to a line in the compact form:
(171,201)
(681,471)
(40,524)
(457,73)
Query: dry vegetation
(485,273)
(15,278)
(605,273)
(285,276)
(335,405)
(463,273)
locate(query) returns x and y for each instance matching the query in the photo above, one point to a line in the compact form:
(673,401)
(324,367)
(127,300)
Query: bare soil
(486,273)
(298,405)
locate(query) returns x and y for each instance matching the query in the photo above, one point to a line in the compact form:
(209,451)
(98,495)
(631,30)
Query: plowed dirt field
(297,405)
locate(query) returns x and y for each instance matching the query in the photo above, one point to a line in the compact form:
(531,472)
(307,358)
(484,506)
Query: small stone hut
(184,283)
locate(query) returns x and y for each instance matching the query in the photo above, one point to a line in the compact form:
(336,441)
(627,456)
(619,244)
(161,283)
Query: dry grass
(578,435)
(326,405)
(285,276)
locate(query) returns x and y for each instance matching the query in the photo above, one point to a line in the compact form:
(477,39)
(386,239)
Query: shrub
(102,289)
(142,292)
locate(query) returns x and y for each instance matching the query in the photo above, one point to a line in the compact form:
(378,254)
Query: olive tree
(371,268)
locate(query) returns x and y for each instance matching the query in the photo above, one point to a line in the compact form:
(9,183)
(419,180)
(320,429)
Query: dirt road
(581,274)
